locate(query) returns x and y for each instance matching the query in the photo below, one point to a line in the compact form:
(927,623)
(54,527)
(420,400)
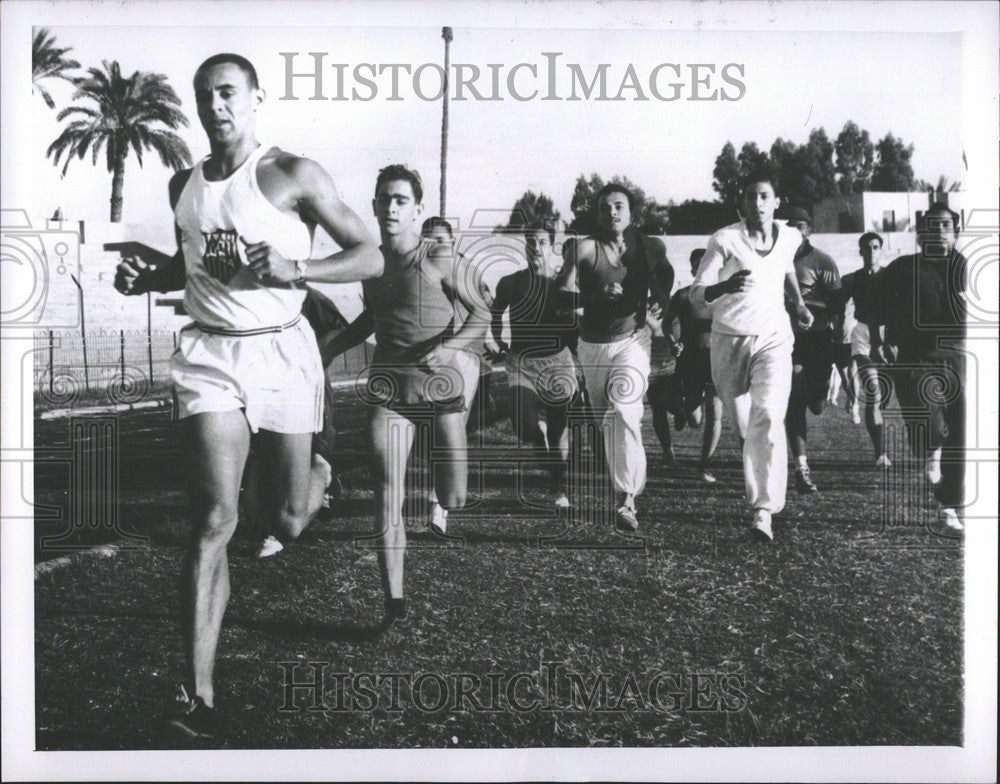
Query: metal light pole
(83,334)
(446,34)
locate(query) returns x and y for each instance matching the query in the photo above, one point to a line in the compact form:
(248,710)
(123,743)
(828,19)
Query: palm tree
(48,62)
(126,115)
(447,36)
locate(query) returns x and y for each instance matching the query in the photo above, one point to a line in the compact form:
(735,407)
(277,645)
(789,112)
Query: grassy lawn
(847,630)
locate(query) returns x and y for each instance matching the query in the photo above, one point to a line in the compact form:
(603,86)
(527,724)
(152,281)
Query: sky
(795,81)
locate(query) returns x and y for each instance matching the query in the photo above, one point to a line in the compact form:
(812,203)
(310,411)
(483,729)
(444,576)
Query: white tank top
(213,217)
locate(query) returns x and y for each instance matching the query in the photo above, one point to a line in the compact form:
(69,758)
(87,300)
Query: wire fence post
(122,333)
(149,334)
(52,369)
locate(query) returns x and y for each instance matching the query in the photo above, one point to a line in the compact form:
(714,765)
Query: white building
(879,211)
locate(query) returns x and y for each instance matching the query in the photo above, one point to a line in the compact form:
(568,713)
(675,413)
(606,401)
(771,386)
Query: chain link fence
(126,366)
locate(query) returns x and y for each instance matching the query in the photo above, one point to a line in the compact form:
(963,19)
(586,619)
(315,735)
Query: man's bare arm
(354,334)
(144,269)
(468,292)
(359,257)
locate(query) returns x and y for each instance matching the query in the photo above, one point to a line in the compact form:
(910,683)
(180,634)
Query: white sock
(802,461)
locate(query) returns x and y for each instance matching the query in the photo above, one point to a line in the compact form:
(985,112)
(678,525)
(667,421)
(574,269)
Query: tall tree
(530,210)
(138,113)
(893,171)
(855,158)
(786,165)
(816,178)
(751,159)
(48,62)
(726,177)
(649,216)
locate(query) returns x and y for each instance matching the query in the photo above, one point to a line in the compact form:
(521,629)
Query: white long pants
(753,376)
(617,375)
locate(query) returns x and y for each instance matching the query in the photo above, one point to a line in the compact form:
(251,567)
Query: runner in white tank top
(245,217)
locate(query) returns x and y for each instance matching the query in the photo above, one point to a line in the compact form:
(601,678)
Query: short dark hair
(546,225)
(433,223)
(400,171)
(238,60)
(696,255)
(614,187)
(760,174)
(939,206)
(867,237)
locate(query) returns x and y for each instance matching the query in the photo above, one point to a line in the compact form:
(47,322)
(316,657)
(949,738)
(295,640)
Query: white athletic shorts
(469,367)
(552,377)
(276,377)
(861,344)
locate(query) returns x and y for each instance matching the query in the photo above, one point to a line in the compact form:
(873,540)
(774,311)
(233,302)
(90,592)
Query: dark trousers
(931,394)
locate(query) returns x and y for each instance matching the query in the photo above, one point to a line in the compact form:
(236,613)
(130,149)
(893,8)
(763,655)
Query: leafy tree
(531,209)
(699,217)
(893,171)
(48,62)
(726,177)
(138,113)
(786,163)
(855,158)
(649,216)
(751,159)
(815,179)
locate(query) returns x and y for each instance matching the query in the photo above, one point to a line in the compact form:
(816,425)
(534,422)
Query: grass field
(846,630)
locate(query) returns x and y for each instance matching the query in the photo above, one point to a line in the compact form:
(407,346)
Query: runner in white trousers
(746,274)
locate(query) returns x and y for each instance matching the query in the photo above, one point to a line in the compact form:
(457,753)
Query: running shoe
(950,517)
(191,716)
(760,527)
(439,519)
(625,520)
(804,482)
(270,546)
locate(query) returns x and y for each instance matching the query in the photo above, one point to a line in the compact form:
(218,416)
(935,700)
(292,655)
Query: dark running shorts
(398,383)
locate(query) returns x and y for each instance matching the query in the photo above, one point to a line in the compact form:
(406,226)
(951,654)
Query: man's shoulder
(728,232)
(304,171)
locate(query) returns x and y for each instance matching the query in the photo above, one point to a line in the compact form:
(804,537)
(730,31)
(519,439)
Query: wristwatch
(302,268)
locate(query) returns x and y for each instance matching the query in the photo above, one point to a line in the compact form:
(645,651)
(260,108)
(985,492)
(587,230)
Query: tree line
(807,173)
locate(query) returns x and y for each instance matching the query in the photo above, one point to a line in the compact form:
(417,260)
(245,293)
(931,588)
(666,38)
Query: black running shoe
(625,520)
(191,717)
(395,626)
(803,482)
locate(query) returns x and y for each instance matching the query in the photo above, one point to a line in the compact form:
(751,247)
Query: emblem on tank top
(221,257)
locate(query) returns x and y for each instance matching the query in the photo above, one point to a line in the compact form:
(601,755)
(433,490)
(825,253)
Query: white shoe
(270,546)
(951,519)
(321,463)
(562,501)
(855,415)
(932,468)
(439,519)
(883,462)
(761,525)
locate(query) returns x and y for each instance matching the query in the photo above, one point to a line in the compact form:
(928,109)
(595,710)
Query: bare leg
(713,427)
(795,419)
(298,479)
(870,392)
(390,440)
(558,444)
(217,445)
(449,460)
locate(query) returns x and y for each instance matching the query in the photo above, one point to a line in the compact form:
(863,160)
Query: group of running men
(751,336)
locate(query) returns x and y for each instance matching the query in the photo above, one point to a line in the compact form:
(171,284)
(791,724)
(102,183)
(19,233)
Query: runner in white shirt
(745,275)
(245,217)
